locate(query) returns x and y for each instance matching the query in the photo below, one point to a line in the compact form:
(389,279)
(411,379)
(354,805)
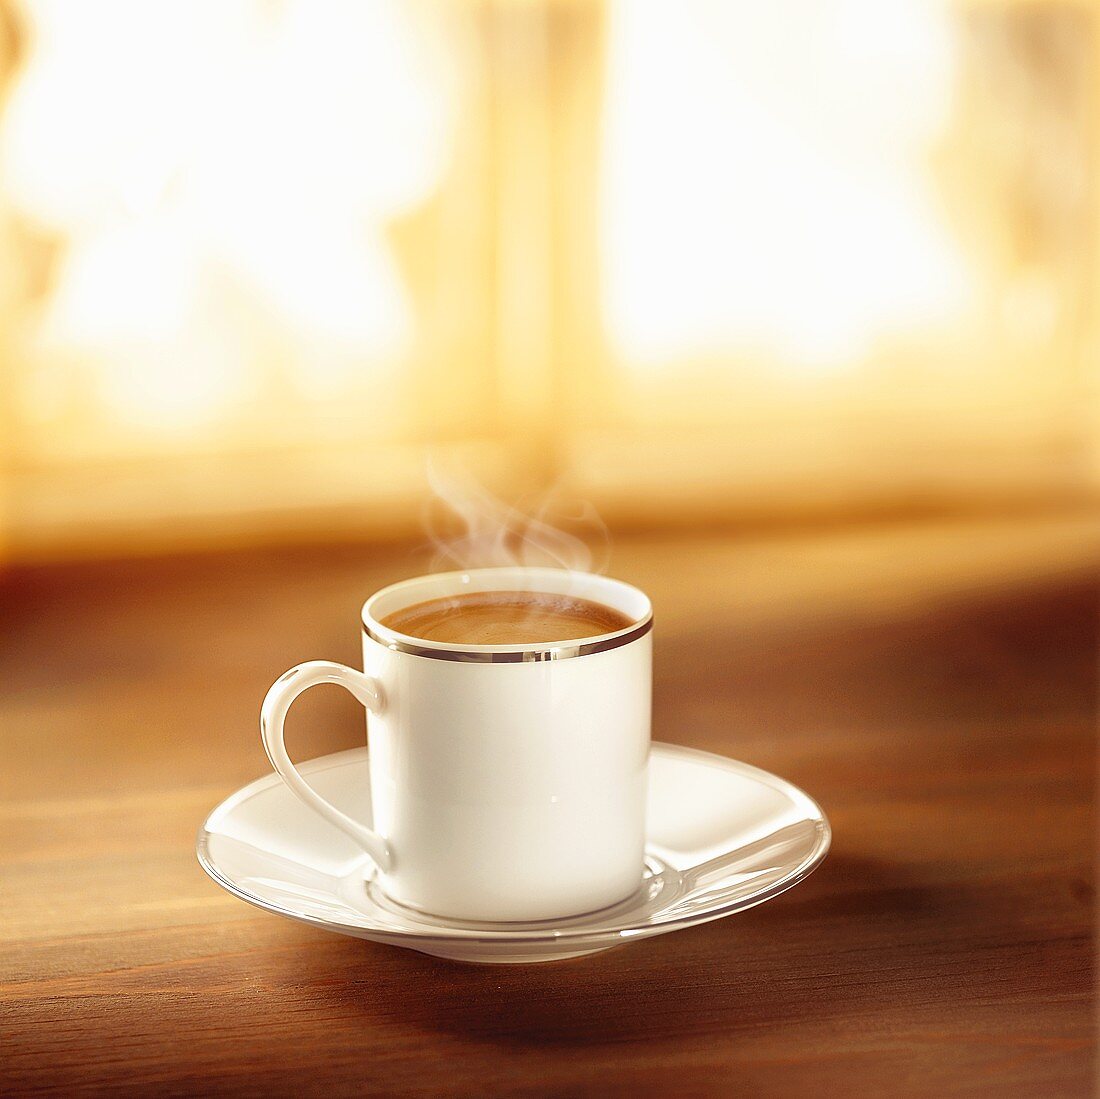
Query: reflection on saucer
(721,837)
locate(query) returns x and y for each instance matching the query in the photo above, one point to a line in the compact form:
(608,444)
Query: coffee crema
(506,618)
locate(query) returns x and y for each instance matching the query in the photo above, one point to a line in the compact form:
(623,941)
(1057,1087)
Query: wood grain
(934,688)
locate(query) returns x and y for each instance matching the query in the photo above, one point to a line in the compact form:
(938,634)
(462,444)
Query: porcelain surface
(506,782)
(721,836)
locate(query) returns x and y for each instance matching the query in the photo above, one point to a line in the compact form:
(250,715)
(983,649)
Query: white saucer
(721,837)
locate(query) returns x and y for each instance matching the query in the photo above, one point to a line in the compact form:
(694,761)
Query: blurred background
(800,297)
(700,264)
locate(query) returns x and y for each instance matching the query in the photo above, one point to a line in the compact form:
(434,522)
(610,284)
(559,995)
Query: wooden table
(933,686)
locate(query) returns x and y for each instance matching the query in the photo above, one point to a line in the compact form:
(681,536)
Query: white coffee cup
(508,782)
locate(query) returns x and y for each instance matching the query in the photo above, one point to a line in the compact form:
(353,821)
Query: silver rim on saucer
(653,909)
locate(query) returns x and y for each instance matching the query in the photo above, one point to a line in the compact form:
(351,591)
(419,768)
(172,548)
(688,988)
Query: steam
(479,530)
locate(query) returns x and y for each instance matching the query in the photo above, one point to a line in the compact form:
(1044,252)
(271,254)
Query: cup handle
(278,701)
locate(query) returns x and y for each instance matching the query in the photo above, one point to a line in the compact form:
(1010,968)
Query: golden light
(680,257)
(770,193)
(222,188)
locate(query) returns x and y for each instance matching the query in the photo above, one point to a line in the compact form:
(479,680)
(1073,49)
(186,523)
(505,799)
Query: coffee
(506,618)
